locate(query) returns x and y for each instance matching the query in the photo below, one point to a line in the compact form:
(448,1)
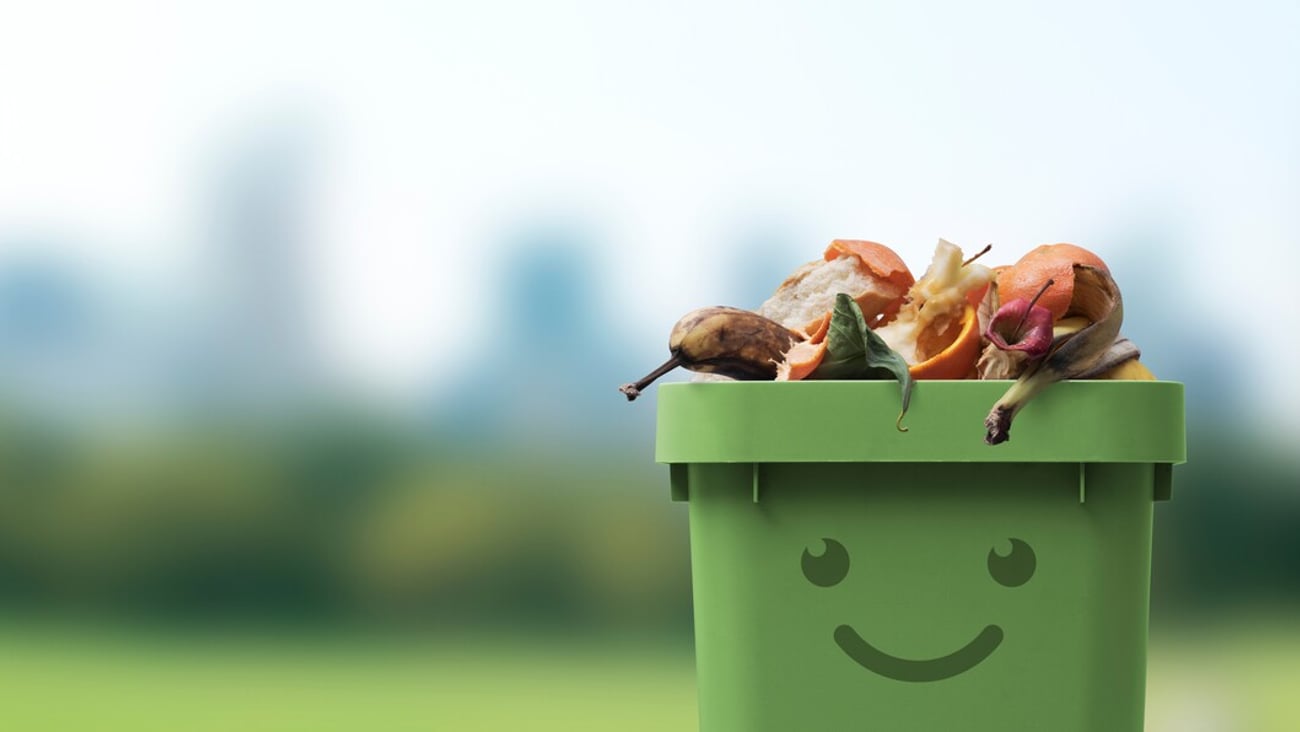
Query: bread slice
(871,273)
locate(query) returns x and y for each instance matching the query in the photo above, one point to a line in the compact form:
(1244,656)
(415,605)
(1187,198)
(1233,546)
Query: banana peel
(732,342)
(1130,370)
(1072,355)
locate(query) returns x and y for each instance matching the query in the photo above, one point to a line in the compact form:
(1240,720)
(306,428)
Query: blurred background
(312,316)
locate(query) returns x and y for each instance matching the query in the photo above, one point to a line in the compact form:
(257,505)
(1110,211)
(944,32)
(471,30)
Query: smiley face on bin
(831,567)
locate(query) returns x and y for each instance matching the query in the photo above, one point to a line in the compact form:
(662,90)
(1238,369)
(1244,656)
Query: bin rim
(1089,421)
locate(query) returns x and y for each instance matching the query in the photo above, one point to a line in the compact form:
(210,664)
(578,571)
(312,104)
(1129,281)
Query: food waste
(858,313)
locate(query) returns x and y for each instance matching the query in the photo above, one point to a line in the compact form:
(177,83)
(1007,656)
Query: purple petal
(1019,327)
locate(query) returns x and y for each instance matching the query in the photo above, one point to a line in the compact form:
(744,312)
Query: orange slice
(955,350)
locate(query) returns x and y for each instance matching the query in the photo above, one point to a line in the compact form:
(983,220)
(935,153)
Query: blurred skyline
(693,149)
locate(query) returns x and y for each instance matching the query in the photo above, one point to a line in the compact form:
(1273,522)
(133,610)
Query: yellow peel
(1131,370)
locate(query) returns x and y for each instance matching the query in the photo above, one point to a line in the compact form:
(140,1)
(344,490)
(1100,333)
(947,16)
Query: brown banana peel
(1121,352)
(732,342)
(1073,354)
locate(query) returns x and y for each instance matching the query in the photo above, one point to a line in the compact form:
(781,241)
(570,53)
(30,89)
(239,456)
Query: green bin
(848,576)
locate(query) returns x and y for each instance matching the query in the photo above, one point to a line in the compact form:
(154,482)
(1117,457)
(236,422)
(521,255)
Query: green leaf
(854,351)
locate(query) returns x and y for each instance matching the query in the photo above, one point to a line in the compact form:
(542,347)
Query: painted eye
(1014,569)
(829,568)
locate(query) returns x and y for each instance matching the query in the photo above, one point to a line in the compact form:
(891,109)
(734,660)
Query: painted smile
(902,669)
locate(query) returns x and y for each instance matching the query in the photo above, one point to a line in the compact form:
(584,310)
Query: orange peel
(954,358)
(1047,262)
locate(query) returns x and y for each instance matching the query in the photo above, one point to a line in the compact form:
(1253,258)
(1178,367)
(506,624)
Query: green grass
(62,679)
(1238,677)
(89,681)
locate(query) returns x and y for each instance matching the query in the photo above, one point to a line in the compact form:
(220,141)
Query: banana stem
(998,423)
(634,390)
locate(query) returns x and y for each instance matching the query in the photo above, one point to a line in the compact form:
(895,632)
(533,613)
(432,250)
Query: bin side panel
(913,626)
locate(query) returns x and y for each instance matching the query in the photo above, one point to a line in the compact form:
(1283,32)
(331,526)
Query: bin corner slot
(678,485)
(1164,481)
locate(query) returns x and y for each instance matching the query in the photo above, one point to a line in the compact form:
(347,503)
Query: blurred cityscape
(184,454)
(174,454)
